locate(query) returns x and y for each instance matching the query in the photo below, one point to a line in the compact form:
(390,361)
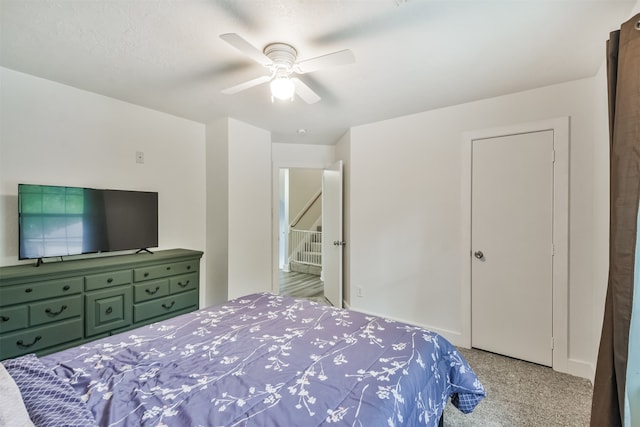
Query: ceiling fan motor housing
(282,55)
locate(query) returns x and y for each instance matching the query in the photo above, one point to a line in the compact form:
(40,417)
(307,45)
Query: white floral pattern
(268,360)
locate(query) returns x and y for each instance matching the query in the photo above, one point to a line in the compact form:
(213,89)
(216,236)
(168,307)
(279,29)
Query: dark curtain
(623,72)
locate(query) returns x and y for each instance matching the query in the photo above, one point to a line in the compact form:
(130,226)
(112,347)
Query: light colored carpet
(523,394)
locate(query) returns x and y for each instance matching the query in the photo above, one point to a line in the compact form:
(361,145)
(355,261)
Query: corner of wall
(217,194)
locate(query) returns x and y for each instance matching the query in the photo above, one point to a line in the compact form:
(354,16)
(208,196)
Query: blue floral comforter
(268,360)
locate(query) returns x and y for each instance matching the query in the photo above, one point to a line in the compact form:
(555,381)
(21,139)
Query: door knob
(478,254)
(339,243)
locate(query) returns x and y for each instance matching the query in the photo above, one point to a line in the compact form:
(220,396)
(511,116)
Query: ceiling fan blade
(341,57)
(246,85)
(247,48)
(305,92)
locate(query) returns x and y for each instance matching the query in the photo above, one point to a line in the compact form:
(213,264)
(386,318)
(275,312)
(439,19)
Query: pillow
(49,400)
(12,410)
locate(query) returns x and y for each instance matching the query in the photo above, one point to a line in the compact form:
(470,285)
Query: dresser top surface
(79,266)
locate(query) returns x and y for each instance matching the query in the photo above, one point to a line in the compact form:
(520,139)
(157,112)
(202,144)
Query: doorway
(300,233)
(556,132)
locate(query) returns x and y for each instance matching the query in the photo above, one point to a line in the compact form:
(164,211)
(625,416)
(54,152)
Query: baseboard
(453,337)
(582,369)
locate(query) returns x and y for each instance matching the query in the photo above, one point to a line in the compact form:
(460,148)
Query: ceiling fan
(280,60)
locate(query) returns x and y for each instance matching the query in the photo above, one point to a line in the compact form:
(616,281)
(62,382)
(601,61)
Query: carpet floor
(523,394)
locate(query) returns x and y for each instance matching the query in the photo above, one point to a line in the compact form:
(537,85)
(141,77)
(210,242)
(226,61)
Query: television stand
(39,262)
(144,250)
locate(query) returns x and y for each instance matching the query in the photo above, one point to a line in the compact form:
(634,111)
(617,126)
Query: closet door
(512,245)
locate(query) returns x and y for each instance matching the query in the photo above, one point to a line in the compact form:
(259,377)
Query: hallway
(302,285)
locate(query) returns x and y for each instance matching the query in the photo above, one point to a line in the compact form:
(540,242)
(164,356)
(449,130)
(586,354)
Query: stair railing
(306,246)
(306,208)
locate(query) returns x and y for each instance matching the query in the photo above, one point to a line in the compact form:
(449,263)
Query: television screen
(60,221)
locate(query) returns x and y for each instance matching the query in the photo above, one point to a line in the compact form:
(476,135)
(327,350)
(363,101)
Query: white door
(332,239)
(512,245)
(283,220)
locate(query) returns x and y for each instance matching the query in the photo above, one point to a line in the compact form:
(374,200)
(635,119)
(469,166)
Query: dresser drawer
(107,280)
(35,339)
(160,306)
(150,290)
(40,290)
(107,310)
(14,318)
(164,270)
(183,283)
(55,310)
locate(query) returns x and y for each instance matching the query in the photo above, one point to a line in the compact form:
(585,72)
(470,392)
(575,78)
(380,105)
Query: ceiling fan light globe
(282,88)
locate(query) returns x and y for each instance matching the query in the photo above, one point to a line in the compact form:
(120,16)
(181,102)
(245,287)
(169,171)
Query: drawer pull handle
(109,280)
(4,318)
(109,310)
(151,292)
(169,305)
(28,290)
(146,274)
(184,285)
(66,287)
(55,313)
(168,268)
(23,345)
(188,267)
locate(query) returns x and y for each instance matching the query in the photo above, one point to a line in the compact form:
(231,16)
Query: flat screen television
(56,221)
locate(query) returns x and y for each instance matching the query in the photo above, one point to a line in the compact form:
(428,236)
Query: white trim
(560,128)
(580,368)
(453,337)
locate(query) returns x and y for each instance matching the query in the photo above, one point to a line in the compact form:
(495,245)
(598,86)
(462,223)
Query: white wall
(59,135)
(238,209)
(250,213)
(405,213)
(304,184)
(217,237)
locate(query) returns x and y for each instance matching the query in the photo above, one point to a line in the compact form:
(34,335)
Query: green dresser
(61,304)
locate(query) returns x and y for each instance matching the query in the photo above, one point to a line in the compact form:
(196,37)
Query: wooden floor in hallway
(302,285)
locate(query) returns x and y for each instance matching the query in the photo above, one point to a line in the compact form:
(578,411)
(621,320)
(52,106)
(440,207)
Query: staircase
(307,255)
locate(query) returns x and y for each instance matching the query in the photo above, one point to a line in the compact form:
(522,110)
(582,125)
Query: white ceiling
(411,55)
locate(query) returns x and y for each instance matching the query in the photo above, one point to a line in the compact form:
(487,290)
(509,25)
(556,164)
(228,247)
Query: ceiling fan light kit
(280,60)
(282,88)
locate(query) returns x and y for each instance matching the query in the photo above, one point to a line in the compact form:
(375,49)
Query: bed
(259,360)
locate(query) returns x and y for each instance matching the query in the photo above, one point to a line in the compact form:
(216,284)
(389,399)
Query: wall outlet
(139,157)
(359,291)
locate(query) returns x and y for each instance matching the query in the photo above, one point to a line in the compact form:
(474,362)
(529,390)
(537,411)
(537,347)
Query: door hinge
(553,156)
(552,343)
(553,249)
